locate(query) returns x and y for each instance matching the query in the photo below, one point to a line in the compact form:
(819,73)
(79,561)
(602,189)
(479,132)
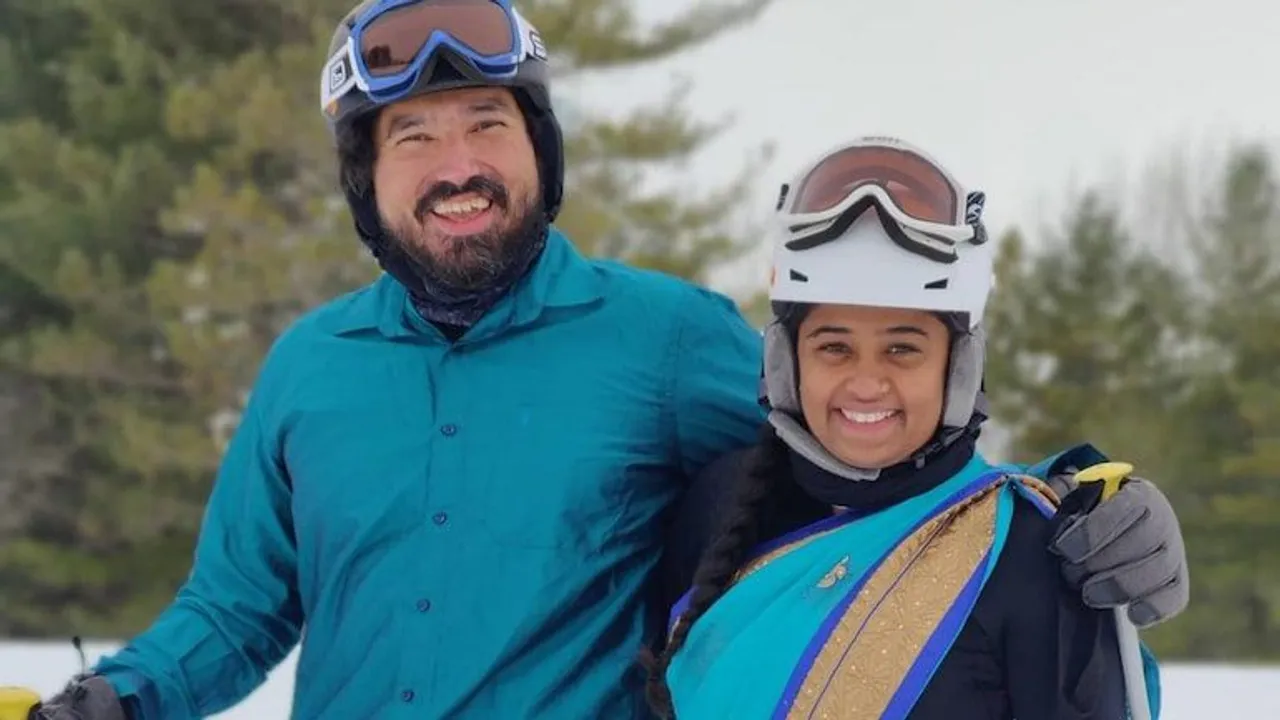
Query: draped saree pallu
(850,617)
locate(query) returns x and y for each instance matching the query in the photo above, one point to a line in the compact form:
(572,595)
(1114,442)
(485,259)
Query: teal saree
(851,616)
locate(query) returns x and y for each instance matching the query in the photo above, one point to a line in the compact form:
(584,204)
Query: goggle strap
(974,205)
(902,236)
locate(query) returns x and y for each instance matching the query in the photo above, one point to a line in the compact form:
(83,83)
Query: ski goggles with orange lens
(921,207)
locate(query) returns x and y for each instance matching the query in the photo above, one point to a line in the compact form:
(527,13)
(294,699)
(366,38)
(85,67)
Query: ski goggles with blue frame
(393,41)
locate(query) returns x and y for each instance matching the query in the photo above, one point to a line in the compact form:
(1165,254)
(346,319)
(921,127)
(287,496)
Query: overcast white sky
(1027,99)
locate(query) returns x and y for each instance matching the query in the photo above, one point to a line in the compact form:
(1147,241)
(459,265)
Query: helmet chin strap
(800,440)
(796,437)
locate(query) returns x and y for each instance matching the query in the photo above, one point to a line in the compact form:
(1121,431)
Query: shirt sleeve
(238,614)
(715,381)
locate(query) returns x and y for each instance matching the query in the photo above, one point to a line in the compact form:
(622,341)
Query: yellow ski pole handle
(16,703)
(1111,475)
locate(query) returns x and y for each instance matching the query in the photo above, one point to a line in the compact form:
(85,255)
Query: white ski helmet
(879,222)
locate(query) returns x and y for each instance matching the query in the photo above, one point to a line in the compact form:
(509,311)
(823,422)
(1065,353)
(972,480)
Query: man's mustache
(477,184)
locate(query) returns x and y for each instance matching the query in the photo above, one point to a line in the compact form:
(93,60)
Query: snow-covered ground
(1191,692)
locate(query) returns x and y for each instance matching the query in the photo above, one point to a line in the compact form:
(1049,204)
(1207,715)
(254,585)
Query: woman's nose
(867,386)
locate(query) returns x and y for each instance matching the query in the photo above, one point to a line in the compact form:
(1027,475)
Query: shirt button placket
(437,560)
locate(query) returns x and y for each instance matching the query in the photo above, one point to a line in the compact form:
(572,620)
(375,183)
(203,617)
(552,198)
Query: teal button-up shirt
(460,530)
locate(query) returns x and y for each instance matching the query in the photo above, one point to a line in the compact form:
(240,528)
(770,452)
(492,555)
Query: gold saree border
(880,635)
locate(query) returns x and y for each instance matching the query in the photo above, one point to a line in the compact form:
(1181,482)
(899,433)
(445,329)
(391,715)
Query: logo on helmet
(339,73)
(337,76)
(532,39)
(338,79)
(536,48)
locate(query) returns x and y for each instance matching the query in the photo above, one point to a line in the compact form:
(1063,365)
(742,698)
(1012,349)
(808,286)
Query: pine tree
(684,229)
(106,464)
(1184,357)
(1229,492)
(173,191)
(1081,331)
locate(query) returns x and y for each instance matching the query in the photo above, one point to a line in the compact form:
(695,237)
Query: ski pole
(1111,474)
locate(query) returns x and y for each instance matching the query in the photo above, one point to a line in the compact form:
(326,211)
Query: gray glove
(87,697)
(1125,551)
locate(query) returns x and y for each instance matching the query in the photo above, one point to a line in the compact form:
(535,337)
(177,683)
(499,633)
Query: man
(455,476)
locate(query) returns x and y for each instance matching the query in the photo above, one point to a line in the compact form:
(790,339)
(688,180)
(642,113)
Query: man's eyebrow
(490,104)
(403,121)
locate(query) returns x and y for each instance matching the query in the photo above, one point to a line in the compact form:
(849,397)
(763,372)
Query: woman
(920,591)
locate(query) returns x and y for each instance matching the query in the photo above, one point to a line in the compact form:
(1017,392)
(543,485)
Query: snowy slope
(1191,692)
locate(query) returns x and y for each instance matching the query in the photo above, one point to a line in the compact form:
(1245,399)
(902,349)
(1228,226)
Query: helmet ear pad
(781,381)
(964,376)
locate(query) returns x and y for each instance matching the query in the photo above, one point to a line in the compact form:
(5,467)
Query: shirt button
(449,430)
(406,695)
(424,605)
(440,518)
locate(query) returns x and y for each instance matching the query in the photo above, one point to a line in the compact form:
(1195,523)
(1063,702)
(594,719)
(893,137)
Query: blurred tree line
(168,204)
(1159,340)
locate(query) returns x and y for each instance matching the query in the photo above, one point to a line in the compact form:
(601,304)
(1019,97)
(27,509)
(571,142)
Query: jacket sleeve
(715,381)
(238,614)
(1061,658)
(696,522)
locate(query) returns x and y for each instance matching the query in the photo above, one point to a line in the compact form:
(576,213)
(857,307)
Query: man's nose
(455,162)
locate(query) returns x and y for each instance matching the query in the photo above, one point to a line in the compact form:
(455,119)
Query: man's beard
(470,262)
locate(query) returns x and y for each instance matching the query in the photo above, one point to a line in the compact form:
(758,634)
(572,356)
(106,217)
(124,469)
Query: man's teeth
(461,207)
(867,418)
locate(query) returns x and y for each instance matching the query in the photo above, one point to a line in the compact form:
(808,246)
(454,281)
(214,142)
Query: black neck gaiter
(462,308)
(895,484)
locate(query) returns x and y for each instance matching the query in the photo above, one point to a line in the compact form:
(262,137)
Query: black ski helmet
(447,70)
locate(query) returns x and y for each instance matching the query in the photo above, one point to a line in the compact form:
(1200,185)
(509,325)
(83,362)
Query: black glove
(86,697)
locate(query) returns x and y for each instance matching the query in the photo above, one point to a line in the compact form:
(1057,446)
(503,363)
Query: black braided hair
(766,503)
